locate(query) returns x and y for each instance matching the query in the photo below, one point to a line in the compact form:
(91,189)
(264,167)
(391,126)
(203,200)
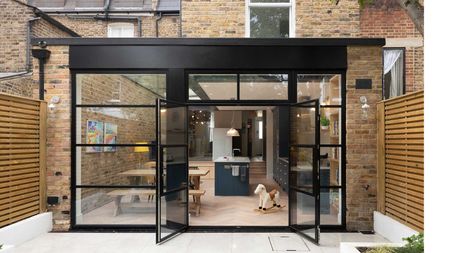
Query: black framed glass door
(304,187)
(172,170)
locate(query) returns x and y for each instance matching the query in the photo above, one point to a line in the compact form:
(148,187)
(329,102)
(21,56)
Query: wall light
(53,101)
(364,107)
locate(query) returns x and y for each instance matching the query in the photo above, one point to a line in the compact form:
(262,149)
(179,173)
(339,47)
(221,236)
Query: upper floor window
(121,30)
(270,18)
(394,72)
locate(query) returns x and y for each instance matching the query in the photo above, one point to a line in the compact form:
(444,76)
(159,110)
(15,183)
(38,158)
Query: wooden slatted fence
(22,158)
(401,159)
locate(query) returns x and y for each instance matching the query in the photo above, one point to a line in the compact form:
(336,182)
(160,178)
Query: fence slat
(22,158)
(401,159)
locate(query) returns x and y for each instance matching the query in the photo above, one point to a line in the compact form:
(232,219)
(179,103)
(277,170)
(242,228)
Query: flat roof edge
(212,41)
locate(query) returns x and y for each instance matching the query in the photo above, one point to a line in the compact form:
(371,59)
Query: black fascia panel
(207,57)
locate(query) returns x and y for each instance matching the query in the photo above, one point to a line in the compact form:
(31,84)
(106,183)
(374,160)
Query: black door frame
(315,169)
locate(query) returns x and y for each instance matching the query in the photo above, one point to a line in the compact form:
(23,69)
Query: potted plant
(324,123)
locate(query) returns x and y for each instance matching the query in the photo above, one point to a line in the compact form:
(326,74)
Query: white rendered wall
(391,229)
(26,230)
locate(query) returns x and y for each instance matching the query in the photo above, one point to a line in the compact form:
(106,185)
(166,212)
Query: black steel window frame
(292,99)
(238,74)
(403,49)
(75,145)
(342,145)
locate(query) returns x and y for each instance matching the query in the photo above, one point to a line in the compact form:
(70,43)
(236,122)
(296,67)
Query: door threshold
(239,229)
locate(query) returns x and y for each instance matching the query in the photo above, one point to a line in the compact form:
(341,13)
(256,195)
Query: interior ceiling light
(232,131)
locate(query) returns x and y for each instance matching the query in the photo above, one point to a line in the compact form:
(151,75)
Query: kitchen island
(232,176)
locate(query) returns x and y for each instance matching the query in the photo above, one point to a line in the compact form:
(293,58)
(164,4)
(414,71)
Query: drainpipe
(106,8)
(29,64)
(158,18)
(41,54)
(139,23)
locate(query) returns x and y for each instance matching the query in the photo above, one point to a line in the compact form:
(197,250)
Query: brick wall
(213,18)
(20,86)
(325,19)
(13,35)
(57,83)
(218,18)
(89,27)
(363,63)
(393,23)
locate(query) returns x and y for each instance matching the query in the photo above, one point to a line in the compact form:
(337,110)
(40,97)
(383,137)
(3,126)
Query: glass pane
(212,87)
(325,87)
(301,173)
(264,86)
(174,168)
(201,129)
(330,126)
(330,207)
(115,206)
(116,125)
(116,165)
(269,22)
(302,212)
(113,89)
(393,78)
(330,166)
(303,125)
(173,212)
(173,124)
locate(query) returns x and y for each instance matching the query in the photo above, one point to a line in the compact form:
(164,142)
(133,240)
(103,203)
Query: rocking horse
(265,197)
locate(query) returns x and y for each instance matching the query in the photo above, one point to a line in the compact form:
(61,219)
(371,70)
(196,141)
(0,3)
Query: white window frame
(291,6)
(120,25)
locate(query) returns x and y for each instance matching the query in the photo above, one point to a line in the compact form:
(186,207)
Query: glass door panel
(172,170)
(304,191)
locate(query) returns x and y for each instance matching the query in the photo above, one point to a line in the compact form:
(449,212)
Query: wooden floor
(238,210)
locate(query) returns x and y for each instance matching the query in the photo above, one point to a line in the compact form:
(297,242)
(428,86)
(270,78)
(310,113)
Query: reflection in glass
(269,22)
(115,206)
(173,124)
(174,168)
(330,125)
(301,175)
(173,212)
(264,86)
(330,207)
(212,87)
(116,125)
(113,89)
(330,166)
(303,125)
(325,87)
(302,212)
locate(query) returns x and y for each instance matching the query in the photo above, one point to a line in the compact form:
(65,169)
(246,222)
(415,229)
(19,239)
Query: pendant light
(232,131)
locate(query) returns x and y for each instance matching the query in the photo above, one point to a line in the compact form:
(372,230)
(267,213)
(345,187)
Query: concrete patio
(189,242)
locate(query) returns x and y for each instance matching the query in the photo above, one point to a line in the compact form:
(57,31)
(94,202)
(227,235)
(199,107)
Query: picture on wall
(94,135)
(110,137)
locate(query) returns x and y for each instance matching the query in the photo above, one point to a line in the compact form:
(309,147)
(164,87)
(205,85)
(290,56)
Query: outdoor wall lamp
(53,101)
(364,106)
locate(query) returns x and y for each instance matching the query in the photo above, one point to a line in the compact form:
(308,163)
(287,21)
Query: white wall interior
(222,144)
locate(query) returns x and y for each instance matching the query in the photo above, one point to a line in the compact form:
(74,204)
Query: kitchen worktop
(230,159)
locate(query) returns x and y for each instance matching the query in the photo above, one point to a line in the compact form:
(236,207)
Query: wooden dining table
(139,173)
